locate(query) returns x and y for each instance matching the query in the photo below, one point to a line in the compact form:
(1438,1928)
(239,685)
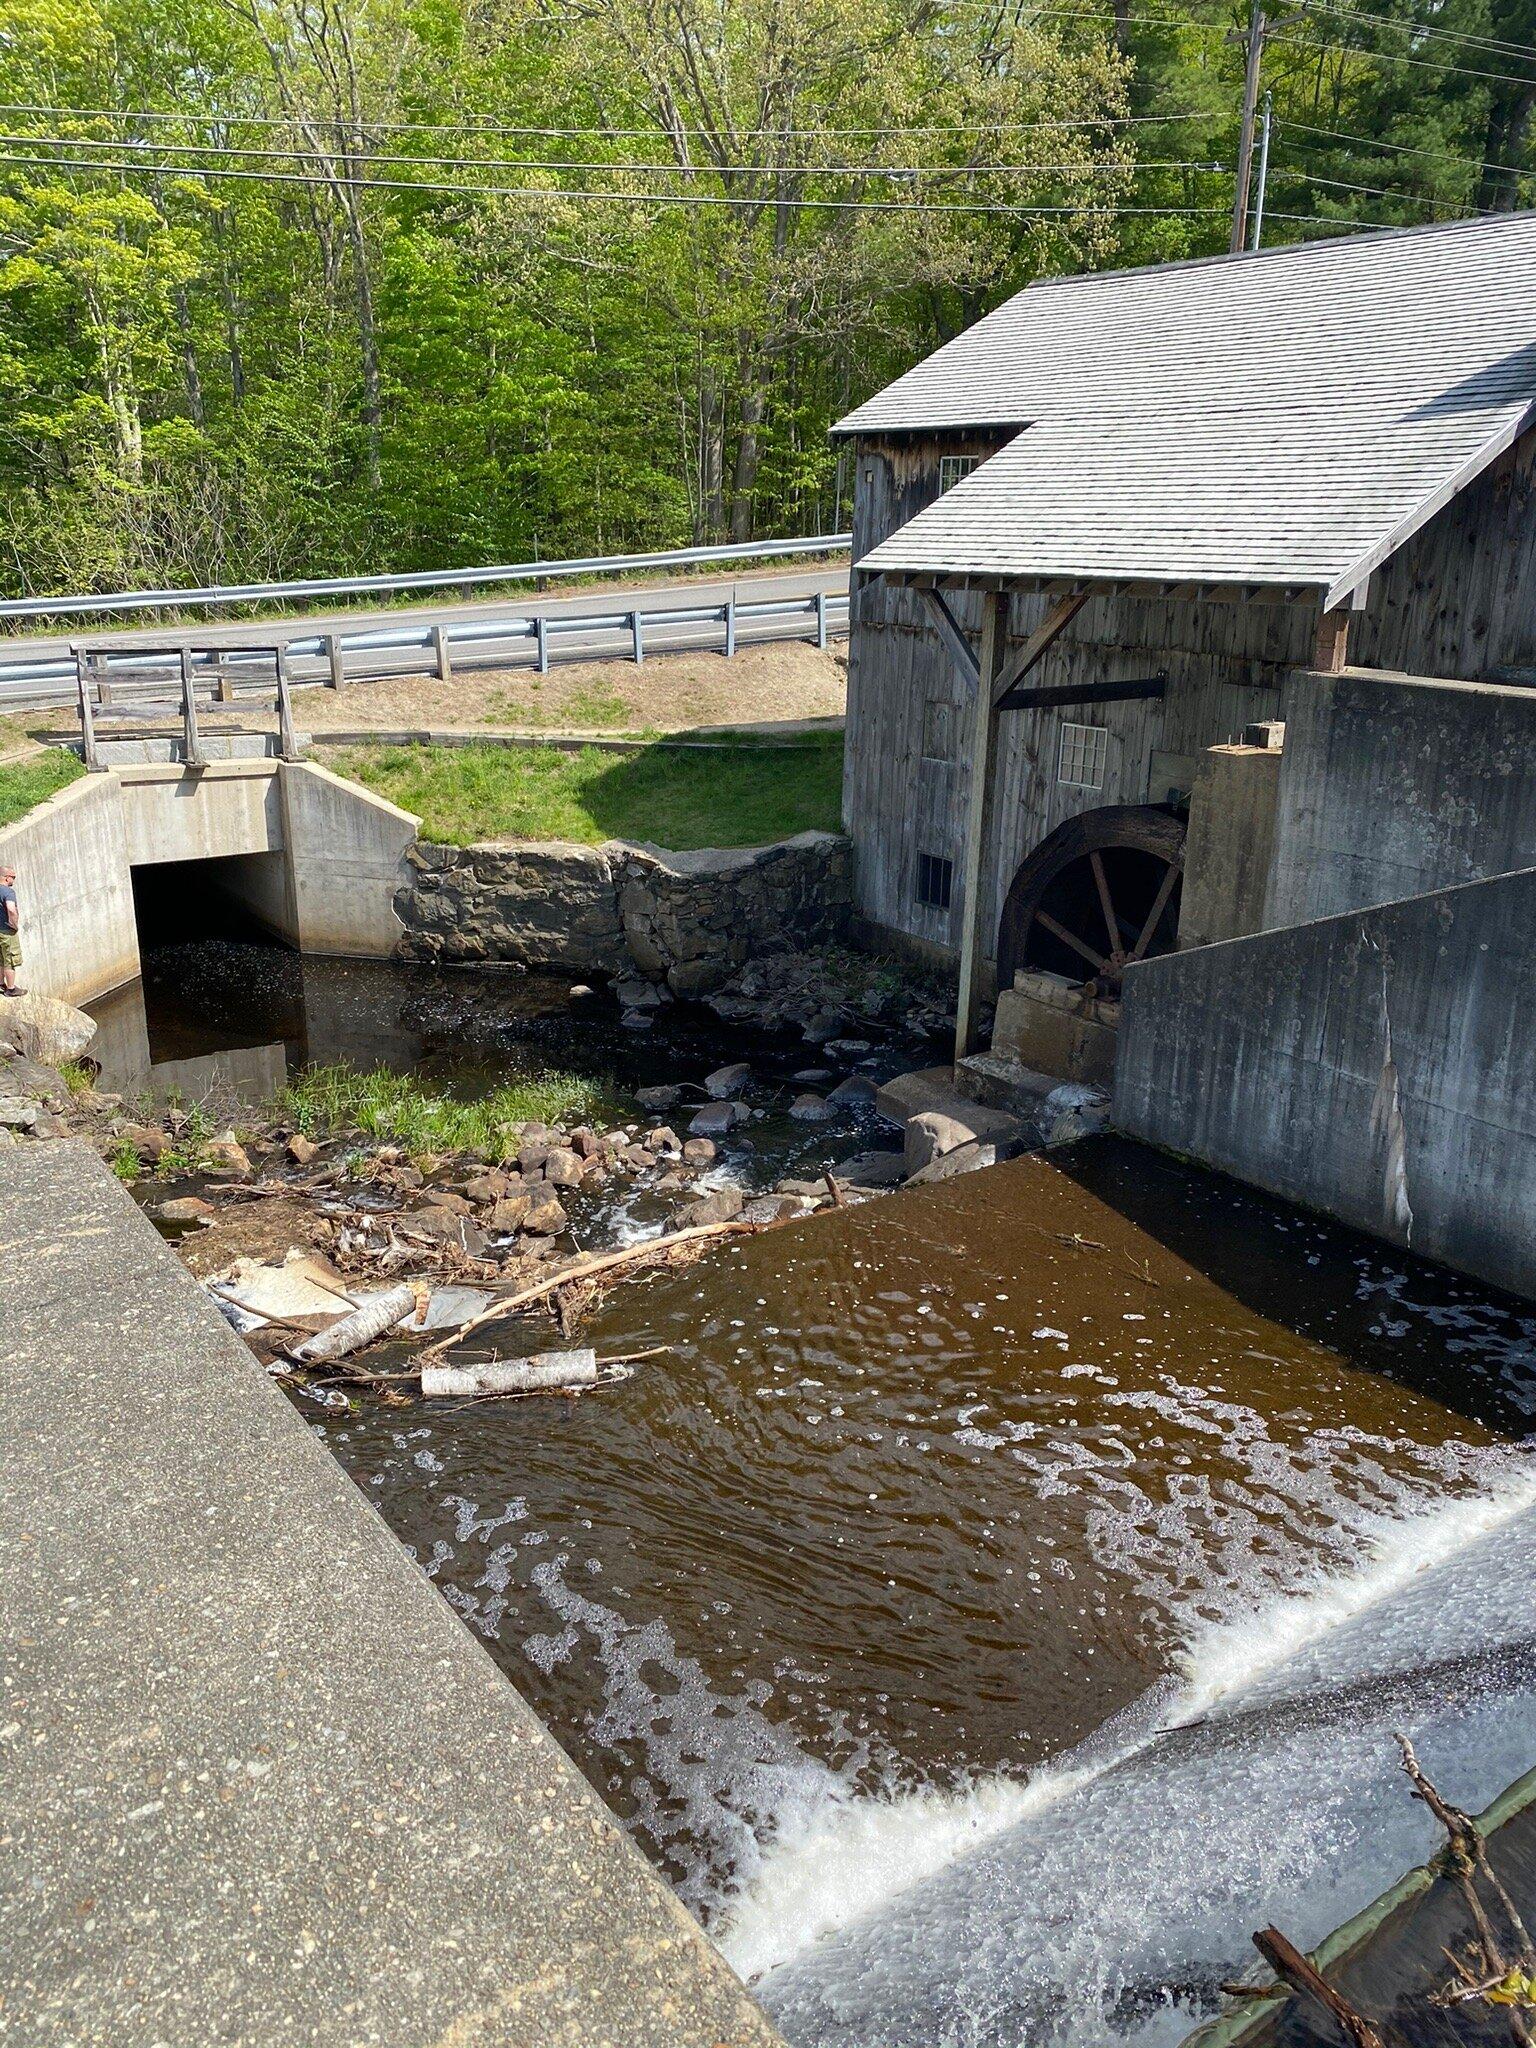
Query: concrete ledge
(260,1784)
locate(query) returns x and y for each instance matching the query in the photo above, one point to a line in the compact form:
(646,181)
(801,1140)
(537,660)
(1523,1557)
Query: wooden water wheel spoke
(1159,905)
(1071,939)
(1107,905)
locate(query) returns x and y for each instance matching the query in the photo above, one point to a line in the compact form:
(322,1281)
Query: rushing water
(1000,1597)
(863,1605)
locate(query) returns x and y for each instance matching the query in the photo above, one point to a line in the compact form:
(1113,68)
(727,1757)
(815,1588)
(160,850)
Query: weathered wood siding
(1458,601)
(906,783)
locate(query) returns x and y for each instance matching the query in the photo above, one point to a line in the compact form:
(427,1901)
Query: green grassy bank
(25,783)
(743,793)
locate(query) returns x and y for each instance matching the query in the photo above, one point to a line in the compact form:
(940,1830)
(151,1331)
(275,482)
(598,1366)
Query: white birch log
(359,1328)
(551,1373)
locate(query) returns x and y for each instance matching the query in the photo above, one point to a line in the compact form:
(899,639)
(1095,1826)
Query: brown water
(932,1488)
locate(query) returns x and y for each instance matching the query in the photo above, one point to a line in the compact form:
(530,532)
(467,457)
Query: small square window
(1084,752)
(935,880)
(953,467)
(939,729)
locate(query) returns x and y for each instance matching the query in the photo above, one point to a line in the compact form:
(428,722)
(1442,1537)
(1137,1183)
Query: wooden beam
(1039,643)
(191,746)
(1085,693)
(952,636)
(1330,650)
(978,815)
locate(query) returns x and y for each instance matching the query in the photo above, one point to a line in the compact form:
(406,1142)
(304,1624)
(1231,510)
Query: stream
(1000,1596)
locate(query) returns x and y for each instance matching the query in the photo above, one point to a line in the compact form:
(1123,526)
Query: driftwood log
(364,1324)
(554,1372)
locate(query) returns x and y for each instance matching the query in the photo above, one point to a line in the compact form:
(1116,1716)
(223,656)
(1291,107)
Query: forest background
(310,287)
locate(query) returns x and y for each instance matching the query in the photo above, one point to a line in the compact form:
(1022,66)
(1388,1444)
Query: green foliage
(405,1110)
(24,784)
(736,794)
(320,360)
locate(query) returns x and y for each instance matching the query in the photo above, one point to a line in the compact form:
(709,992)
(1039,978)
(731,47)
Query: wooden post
(191,749)
(224,680)
(287,744)
(87,718)
(444,658)
(334,656)
(96,666)
(637,638)
(978,816)
(1330,651)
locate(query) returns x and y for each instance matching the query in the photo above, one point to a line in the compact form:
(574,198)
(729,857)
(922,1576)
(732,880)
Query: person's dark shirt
(10,914)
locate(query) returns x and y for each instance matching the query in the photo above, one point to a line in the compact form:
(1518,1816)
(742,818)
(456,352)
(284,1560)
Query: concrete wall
(346,858)
(70,854)
(1378,1065)
(176,813)
(1230,845)
(1393,785)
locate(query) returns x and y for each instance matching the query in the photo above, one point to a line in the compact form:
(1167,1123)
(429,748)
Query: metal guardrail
(115,676)
(422,579)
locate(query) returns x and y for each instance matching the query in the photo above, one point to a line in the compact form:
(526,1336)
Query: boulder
(563,1168)
(184,1209)
(586,1144)
(532,1153)
(825,1025)
(929,1135)
(663,1139)
(699,1151)
(43,1084)
(147,1141)
(508,1214)
(1074,1110)
(545,1217)
(873,1170)
(39,1028)
(720,1205)
(966,1158)
(17,1113)
(446,1226)
(811,1109)
(846,1048)
(494,1186)
(635,994)
(857,1092)
(725,1084)
(658,1099)
(813,1077)
(301,1150)
(717,1119)
(226,1155)
(638,1158)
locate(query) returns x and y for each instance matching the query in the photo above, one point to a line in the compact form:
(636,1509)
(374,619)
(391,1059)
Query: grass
(25,783)
(400,1109)
(742,794)
(592,707)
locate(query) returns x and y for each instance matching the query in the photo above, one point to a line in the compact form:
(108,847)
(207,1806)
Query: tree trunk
(1509,116)
(189,370)
(749,454)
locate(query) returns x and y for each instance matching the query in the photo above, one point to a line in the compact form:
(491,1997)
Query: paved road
(36,669)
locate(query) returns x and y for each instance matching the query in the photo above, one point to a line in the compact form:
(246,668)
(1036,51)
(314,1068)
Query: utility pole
(1265,124)
(1256,28)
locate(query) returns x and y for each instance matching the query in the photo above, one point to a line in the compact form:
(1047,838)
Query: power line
(1495,44)
(672,170)
(654,134)
(1379,191)
(316,178)
(1406,149)
(1397,57)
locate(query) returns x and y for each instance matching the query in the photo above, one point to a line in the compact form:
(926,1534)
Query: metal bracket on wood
(87,717)
(951,634)
(191,745)
(287,742)
(1085,693)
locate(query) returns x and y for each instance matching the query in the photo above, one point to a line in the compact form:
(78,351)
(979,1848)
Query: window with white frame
(1084,753)
(953,467)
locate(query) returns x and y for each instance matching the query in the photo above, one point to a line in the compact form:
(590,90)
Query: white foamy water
(1114,1890)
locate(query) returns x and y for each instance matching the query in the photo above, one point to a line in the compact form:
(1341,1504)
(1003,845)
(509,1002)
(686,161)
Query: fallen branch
(554,1372)
(651,1251)
(1297,1970)
(372,1320)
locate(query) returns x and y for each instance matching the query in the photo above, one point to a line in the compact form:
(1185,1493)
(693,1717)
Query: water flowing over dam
(1002,1597)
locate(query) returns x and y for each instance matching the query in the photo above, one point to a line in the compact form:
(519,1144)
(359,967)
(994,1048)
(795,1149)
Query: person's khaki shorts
(10,950)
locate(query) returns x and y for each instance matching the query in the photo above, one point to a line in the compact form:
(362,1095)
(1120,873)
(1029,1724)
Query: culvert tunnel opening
(218,972)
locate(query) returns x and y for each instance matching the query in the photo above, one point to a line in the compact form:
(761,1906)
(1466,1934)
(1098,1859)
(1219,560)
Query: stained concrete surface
(260,1785)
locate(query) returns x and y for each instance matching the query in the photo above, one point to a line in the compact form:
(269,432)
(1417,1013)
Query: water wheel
(1100,891)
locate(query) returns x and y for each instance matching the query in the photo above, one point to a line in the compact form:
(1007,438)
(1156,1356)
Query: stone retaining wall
(690,919)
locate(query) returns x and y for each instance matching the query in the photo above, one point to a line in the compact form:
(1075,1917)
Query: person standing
(10,929)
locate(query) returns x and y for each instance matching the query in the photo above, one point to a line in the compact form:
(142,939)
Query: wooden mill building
(1094,534)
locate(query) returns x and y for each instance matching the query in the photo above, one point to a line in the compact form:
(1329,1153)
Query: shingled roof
(1287,418)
